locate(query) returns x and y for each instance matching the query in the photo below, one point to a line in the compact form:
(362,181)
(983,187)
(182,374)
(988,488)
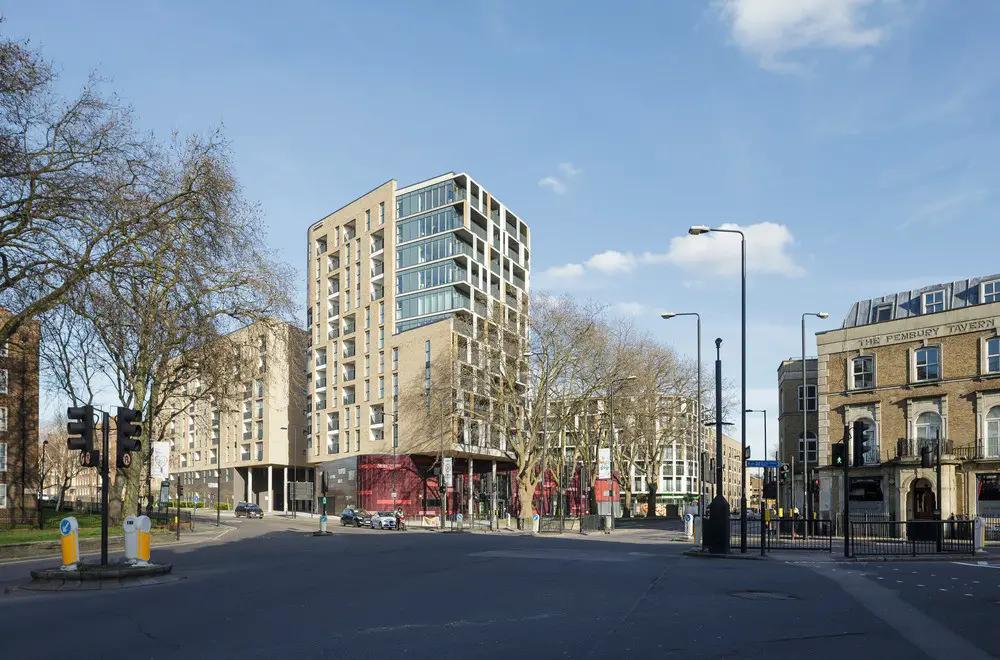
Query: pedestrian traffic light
(180,488)
(814,486)
(127,432)
(925,457)
(861,443)
(746,453)
(839,451)
(783,472)
(81,434)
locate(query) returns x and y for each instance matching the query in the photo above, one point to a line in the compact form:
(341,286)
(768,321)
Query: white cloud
(632,308)
(568,271)
(719,253)
(712,254)
(772,28)
(560,184)
(612,261)
(557,186)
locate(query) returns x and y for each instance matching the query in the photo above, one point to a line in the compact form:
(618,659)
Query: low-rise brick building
(19,445)
(913,369)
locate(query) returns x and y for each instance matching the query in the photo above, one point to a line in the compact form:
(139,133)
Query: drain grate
(762,595)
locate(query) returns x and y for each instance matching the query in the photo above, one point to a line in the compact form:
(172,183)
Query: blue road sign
(195,499)
(322,518)
(763,464)
(64,527)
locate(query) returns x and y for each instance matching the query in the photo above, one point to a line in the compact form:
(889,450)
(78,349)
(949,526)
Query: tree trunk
(650,500)
(525,492)
(627,513)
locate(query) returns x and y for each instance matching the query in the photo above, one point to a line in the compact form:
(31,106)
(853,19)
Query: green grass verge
(90,527)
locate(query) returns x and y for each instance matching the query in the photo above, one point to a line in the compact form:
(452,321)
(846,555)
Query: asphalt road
(268,589)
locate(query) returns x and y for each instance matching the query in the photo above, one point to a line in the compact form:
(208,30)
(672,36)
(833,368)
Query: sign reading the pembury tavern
(928,333)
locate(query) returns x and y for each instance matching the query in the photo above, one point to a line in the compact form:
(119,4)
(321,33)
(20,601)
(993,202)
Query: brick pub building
(915,368)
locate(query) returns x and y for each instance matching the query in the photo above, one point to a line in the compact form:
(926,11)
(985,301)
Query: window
(381,313)
(395,359)
(368,390)
(381,213)
(810,397)
(3,456)
(863,372)
(993,432)
(3,381)
(3,418)
(991,292)
(928,429)
(357,440)
(368,340)
(993,355)
(260,451)
(368,366)
(3,496)
(427,371)
(812,449)
(881,313)
(381,338)
(928,363)
(381,388)
(933,302)
(381,362)
(368,317)
(395,385)
(368,220)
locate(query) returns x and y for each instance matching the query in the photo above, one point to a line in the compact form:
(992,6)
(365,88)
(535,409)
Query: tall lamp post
(702,229)
(611,440)
(764,411)
(806,498)
(701,448)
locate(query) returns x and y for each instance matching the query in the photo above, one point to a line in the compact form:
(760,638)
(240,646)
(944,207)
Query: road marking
(978,565)
(942,590)
(920,585)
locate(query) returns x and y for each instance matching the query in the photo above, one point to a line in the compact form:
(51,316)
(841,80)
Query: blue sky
(855,140)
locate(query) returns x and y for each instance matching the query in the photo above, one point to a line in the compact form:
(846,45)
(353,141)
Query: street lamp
(611,442)
(701,448)
(697,230)
(764,478)
(806,499)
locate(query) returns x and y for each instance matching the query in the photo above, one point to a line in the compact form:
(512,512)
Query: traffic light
(180,488)
(81,434)
(814,486)
(860,443)
(783,472)
(746,453)
(839,452)
(126,433)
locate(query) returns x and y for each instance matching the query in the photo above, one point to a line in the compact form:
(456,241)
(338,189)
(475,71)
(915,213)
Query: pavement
(268,588)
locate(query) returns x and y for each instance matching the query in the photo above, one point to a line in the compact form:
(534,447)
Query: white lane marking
(979,565)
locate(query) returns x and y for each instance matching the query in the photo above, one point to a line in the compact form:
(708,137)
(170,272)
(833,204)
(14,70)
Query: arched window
(928,429)
(871,457)
(993,432)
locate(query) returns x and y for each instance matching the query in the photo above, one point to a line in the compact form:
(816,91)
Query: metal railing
(783,534)
(911,538)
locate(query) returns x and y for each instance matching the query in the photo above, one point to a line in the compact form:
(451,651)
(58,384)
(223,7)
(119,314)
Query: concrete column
(471,503)
(250,497)
(270,489)
(284,497)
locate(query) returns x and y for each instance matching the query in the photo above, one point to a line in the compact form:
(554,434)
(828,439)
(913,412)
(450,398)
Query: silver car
(384,520)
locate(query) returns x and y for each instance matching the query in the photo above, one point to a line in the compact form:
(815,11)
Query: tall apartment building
(401,282)
(249,446)
(915,369)
(19,443)
(794,447)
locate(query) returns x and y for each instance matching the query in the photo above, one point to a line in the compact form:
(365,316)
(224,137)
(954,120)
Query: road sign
(322,519)
(195,499)
(460,517)
(65,527)
(446,467)
(763,464)
(160,461)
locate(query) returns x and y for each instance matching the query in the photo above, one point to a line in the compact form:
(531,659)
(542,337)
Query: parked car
(245,510)
(356,517)
(384,520)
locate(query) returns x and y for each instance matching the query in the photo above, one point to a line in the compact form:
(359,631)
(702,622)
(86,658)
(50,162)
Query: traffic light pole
(105,478)
(847,493)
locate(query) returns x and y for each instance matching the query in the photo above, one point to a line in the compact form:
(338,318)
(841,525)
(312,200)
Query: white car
(384,520)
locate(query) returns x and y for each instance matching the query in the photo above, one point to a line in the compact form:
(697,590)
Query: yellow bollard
(69,531)
(144,528)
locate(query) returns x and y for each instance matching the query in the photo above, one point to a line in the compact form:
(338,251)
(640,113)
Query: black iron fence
(783,534)
(913,538)
(592,523)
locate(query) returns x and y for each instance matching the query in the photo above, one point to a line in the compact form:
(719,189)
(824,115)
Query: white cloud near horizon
(772,29)
(559,184)
(712,254)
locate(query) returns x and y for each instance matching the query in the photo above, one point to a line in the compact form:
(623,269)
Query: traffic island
(706,554)
(89,577)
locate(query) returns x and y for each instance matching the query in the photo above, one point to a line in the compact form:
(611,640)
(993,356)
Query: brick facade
(19,441)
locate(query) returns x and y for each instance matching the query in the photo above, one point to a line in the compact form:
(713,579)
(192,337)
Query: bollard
(534,523)
(689,525)
(322,524)
(69,531)
(145,526)
(131,527)
(978,532)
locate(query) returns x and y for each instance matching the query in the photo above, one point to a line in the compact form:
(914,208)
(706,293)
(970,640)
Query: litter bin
(608,522)
(131,527)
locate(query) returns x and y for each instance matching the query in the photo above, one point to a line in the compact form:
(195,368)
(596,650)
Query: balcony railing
(349,351)
(247,435)
(378,269)
(378,418)
(910,447)
(320,383)
(377,246)
(321,360)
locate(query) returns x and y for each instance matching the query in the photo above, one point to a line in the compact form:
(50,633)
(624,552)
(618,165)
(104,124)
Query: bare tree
(61,466)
